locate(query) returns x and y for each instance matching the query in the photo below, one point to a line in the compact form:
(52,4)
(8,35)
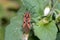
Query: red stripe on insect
(26,22)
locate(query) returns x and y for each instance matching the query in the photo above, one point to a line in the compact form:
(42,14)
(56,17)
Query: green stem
(2,33)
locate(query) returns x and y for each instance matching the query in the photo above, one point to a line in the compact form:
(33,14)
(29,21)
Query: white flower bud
(46,11)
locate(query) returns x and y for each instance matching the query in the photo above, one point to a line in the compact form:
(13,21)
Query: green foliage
(14,30)
(2,33)
(45,31)
(42,31)
(36,6)
(58,36)
(43,28)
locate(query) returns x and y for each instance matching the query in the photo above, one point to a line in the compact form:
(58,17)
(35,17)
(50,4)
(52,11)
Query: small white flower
(46,11)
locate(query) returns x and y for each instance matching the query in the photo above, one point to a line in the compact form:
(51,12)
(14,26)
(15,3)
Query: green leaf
(36,6)
(14,29)
(57,6)
(58,26)
(2,32)
(45,31)
(58,36)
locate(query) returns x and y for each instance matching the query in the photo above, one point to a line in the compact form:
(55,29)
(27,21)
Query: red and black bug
(26,22)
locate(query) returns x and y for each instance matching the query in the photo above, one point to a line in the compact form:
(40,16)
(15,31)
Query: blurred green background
(8,9)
